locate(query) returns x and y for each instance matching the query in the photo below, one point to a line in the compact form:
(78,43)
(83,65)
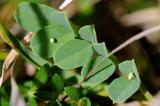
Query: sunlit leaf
(3,55)
(32,102)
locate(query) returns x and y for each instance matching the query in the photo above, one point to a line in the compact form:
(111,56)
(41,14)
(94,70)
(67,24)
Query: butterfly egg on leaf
(130,75)
(51,40)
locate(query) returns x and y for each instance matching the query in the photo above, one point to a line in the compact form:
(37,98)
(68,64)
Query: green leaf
(1,65)
(73,54)
(121,89)
(90,64)
(59,103)
(73,93)
(54,103)
(61,19)
(129,66)
(102,72)
(3,55)
(126,67)
(46,95)
(34,59)
(57,83)
(88,33)
(41,76)
(100,49)
(73,104)
(4,102)
(38,15)
(48,39)
(86,101)
(32,102)
(101,69)
(35,1)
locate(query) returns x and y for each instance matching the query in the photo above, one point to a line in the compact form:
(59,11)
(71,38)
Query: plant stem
(146,93)
(135,38)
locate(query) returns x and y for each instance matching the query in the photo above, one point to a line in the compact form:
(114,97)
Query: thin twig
(65,4)
(135,38)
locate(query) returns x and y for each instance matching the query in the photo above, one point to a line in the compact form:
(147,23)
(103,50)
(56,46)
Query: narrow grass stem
(148,96)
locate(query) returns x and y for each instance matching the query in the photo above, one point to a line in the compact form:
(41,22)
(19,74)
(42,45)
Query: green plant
(57,49)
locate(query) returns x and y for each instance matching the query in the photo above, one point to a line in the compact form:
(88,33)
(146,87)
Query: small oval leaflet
(73,54)
(101,72)
(121,89)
